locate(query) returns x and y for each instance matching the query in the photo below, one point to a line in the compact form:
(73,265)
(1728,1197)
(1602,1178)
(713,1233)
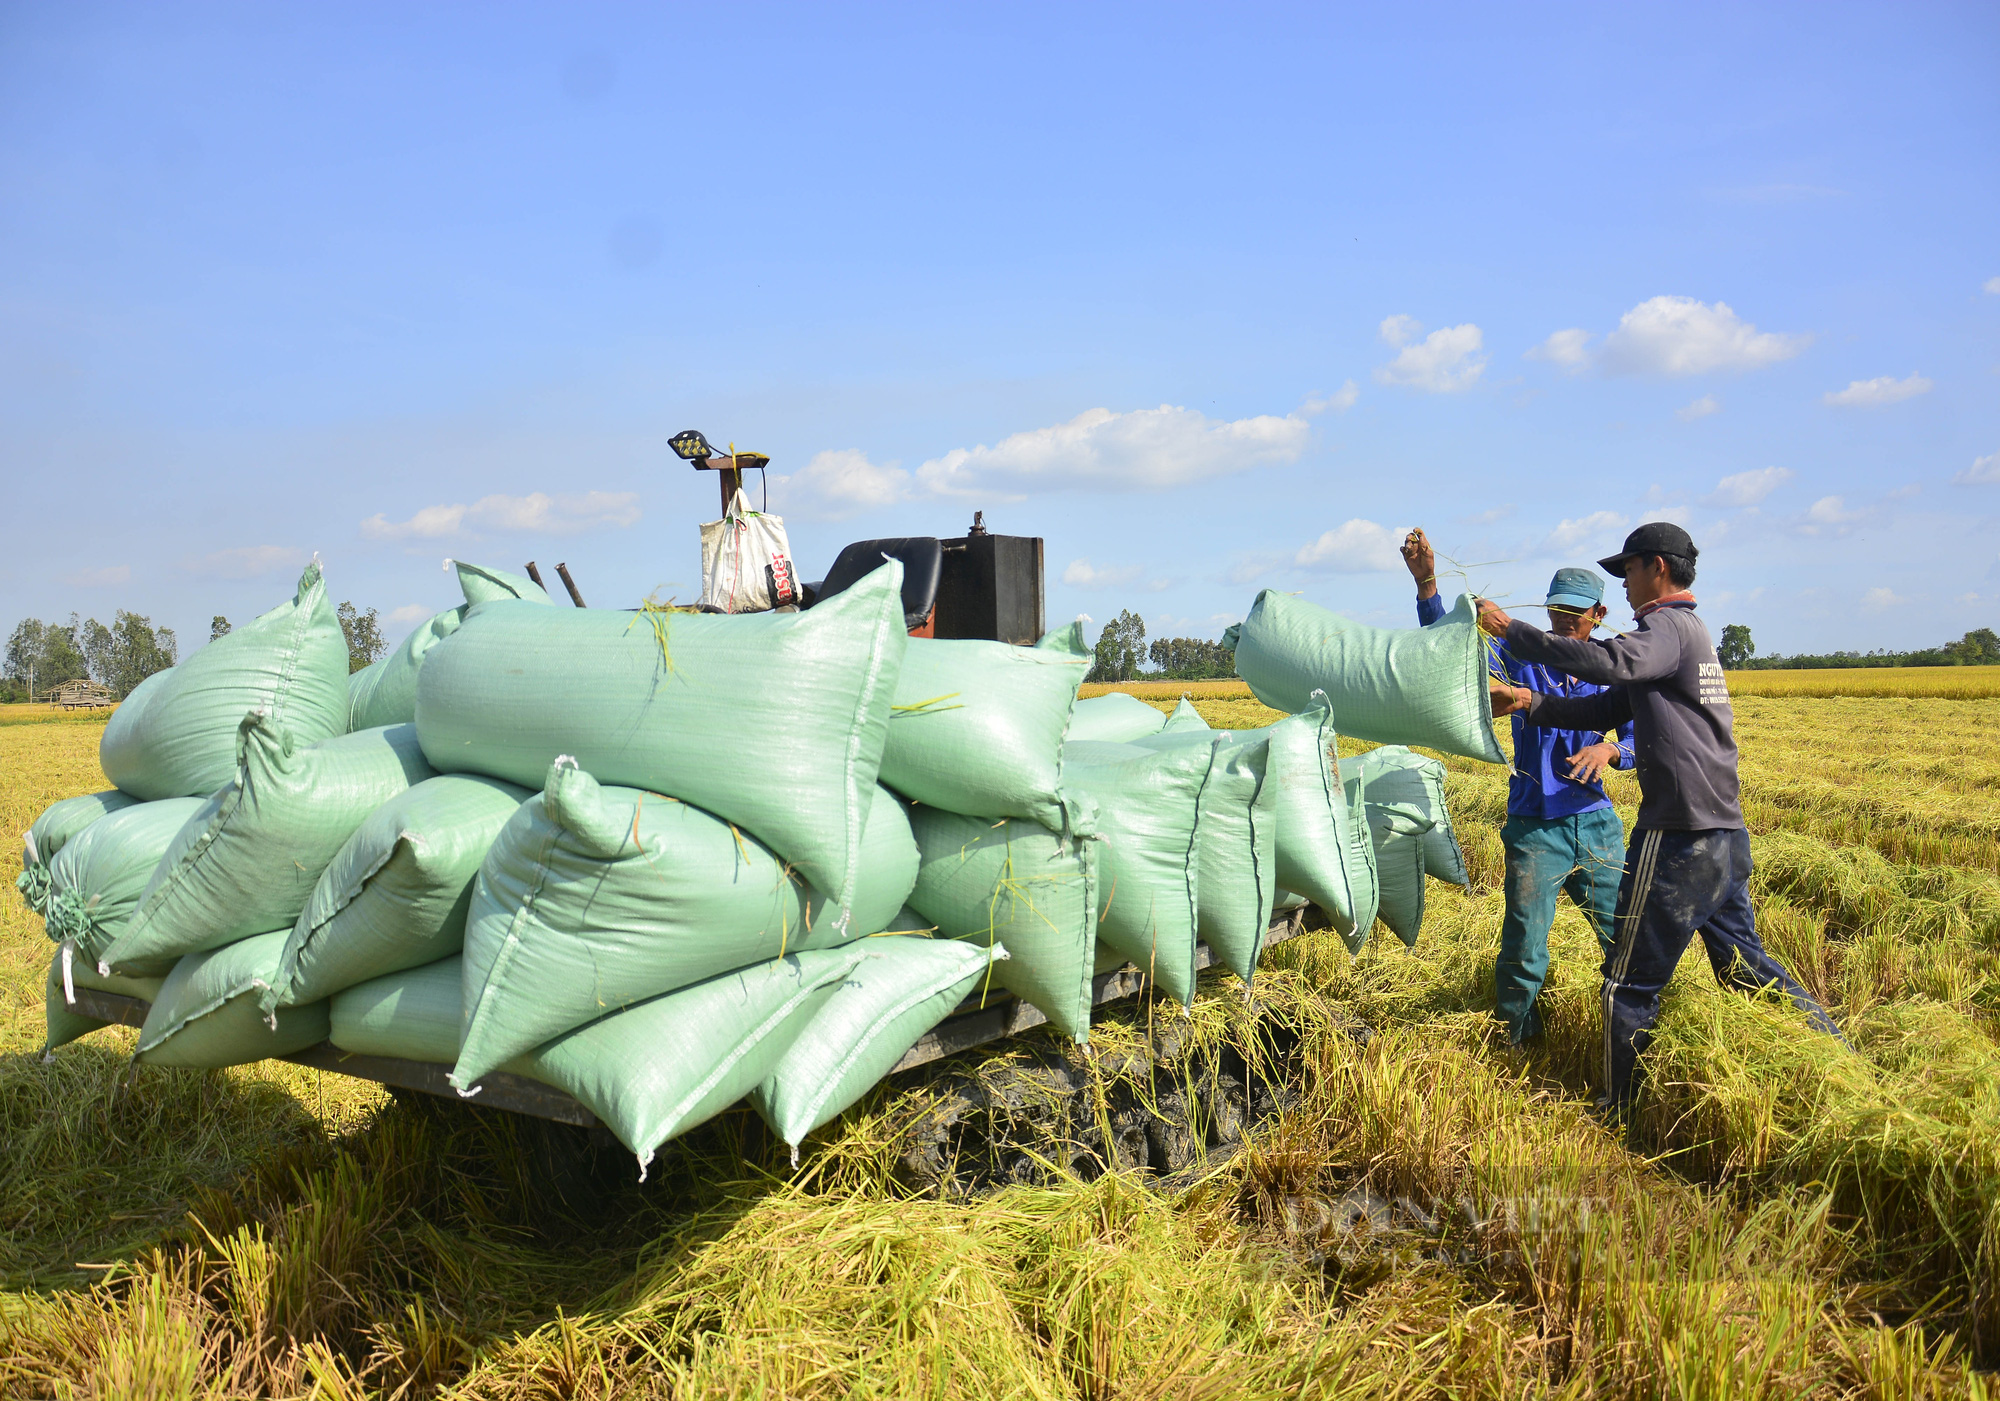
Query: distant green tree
(44,655)
(1981,647)
(1121,649)
(1736,648)
(1191,659)
(218,626)
(364,636)
(130,650)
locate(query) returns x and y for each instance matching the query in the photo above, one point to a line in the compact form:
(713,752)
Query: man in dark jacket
(1561,835)
(1687,869)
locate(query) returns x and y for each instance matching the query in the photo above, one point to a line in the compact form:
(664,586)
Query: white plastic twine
(645,1163)
(447,564)
(69,981)
(795,1158)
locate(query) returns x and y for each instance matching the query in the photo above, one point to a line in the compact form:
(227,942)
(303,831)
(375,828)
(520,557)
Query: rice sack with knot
(665,1065)
(1148,853)
(175,735)
(246,863)
(1238,835)
(1392,685)
(890,1001)
(397,894)
(385,691)
(1014,882)
(1394,775)
(207,1013)
(593,898)
(1114,718)
(46,836)
(97,878)
(772,721)
(1323,851)
(978,728)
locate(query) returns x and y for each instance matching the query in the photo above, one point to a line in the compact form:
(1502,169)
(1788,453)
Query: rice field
(1429,1213)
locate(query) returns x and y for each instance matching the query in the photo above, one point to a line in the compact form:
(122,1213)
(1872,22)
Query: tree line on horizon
(1736,652)
(1122,654)
(43,655)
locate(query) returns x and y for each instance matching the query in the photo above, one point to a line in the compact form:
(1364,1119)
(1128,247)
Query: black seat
(922,562)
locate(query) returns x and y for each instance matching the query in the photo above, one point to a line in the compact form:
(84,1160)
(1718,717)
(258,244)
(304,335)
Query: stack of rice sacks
(664,861)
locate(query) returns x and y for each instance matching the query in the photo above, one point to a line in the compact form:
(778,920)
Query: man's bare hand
(1422,560)
(1507,699)
(1491,619)
(1588,764)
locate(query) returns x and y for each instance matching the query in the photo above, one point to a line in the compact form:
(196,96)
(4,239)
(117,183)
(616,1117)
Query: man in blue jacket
(1688,869)
(1561,834)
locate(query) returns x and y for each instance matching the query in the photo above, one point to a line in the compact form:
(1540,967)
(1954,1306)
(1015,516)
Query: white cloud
(1878,600)
(1356,547)
(1081,574)
(1569,534)
(1984,471)
(1748,488)
(1489,515)
(99,578)
(1872,393)
(536,512)
(1340,401)
(244,562)
(1700,408)
(1144,450)
(1682,336)
(1444,362)
(1993,285)
(409,613)
(1400,329)
(1564,348)
(1830,515)
(841,481)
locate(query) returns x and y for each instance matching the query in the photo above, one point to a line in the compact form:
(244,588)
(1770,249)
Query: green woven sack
(1184,718)
(594,898)
(1395,775)
(1393,685)
(1323,850)
(1397,829)
(207,1014)
(385,691)
(412,1014)
(248,860)
(1014,882)
(1067,638)
(978,728)
(1368,907)
(175,735)
(396,895)
(892,999)
(59,822)
(96,880)
(1114,718)
(1239,829)
(660,1068)
(1148,857)
(65,1022)
(772,721)
(481,584)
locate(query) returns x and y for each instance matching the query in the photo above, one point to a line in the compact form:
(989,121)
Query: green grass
(1433,1214)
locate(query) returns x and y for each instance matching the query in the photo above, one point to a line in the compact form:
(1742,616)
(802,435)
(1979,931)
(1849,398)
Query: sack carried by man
(746,561)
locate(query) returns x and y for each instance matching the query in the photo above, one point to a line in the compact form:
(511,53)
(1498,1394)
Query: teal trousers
(1583,856)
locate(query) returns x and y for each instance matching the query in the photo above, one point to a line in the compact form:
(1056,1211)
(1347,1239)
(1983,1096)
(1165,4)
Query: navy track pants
(1677,885)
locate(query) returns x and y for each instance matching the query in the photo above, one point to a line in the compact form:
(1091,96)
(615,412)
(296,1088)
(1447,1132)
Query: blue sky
(1213,298)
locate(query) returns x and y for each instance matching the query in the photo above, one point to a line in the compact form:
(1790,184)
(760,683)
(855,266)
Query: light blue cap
(1575,588)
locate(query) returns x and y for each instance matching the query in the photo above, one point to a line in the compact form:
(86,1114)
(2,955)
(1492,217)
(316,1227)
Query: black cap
(1652,538)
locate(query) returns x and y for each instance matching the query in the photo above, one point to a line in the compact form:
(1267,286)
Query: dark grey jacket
(1665,678)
